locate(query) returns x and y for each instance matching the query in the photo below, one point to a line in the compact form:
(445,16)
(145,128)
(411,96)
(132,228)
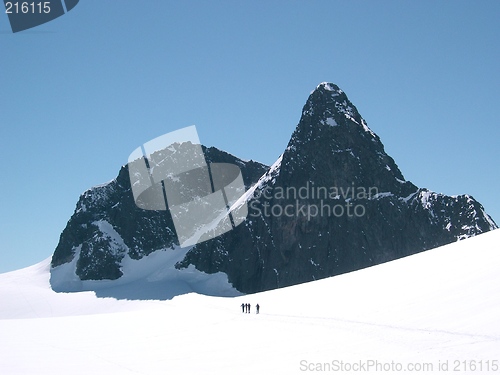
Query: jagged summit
(329,105)
(328,86)
(332,136)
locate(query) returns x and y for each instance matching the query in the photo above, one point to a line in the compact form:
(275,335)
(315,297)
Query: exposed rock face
(333,202)
(107,224)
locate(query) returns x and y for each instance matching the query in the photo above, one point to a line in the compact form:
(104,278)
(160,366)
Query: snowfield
(434,312)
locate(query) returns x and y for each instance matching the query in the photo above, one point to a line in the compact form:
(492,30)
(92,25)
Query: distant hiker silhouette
(242,307)
(257,307)
(249,308)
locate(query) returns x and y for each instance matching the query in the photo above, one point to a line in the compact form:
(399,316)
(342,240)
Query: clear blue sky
(80,93)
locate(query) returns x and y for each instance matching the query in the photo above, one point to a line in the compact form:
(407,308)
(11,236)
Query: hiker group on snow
(245,308)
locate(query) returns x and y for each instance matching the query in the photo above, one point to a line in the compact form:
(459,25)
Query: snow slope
(437,308)
(152,277)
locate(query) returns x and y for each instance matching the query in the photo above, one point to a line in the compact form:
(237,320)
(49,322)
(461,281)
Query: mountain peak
(329,105)
(328,86)
(332,136)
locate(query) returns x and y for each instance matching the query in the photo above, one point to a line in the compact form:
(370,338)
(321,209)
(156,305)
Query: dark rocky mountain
(107,224)
(332,203)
